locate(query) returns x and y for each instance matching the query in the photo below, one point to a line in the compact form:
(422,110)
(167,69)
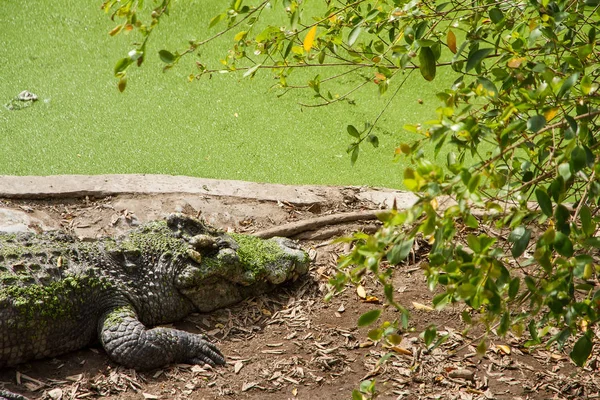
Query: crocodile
(59,294)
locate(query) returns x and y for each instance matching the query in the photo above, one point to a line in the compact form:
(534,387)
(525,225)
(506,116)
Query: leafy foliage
(520,120)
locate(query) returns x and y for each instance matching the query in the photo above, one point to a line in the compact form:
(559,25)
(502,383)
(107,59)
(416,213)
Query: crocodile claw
(207,353)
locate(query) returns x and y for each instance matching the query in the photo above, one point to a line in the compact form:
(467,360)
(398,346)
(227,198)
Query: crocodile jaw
(234,275)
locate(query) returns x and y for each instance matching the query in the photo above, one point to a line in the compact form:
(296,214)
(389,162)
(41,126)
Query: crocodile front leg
(127,341)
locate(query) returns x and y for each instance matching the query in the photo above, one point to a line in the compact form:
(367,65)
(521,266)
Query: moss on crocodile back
(55,300)
(152,238)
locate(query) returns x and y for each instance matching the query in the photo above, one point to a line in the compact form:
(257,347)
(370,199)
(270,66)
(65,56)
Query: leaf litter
(291,344)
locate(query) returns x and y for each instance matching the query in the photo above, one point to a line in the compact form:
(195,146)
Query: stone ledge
(97,186)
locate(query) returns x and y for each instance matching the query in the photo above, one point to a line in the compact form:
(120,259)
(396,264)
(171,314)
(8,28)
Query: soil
(290,344)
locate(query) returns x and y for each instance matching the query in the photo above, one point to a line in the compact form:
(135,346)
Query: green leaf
(568,84)
(400,251)
(504,324)
(519,237)
(474,243)
(513,287)
(581,350)
(563,245)
(369,317)
(496,15)
(471,221)
(441,300)
(122,65)
(587,224)
(474,183)
(536,123)
(354,155)
(356,395)
(578,158)
(354,35)
(476,57)
(429,335)
(166,56)
(586,85)
(544,201)
(216,19)
(375,334)
(564,170)
(427,63)
(352,131)
(374,140)
(562,215)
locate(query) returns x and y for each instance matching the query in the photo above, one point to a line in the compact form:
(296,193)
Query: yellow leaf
(551,113)
(515,62)
(361,292)
(451,41)
(434,203)
(503,348)
(240,36)
(372,299)
(394,339)
(309,38)
(532,24)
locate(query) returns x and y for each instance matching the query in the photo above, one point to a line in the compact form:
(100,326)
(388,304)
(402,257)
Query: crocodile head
(222,269)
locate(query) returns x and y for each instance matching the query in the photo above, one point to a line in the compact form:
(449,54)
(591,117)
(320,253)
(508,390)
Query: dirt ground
(290,344)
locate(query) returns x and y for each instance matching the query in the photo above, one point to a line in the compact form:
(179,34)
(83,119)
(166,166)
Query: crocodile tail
(6,395)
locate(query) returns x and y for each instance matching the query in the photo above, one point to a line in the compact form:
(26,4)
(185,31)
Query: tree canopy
(511,217)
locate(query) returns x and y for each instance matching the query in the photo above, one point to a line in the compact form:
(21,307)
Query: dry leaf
(401,350)
(422,307)
(462,373)
(150,396)
(341,309)
(196,368)
(55,394)
(238,366)
(365,344)
(248,386)
(295,392)
(361,292)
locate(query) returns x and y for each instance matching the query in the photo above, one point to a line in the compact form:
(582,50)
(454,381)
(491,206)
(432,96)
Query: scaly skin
(58,294)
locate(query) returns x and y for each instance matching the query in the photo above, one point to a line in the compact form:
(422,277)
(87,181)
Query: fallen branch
(341,229)
(295,228)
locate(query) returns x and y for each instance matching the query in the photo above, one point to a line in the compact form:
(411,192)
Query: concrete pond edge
(97,186)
